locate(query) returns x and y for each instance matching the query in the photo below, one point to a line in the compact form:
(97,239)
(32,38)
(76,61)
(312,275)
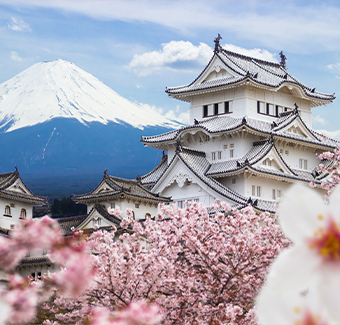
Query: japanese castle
(250,135)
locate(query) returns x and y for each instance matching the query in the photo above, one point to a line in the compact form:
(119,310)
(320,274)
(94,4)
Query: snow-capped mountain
(63,127)
(59,88)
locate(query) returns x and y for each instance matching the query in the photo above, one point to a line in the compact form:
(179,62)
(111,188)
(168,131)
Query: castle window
(180,204)
(7,211)
(137,205)
(23,213)
(256,191)
(303,164)
(267,162)
(213,156)
(228,107)
(270,110)
(219,155)
(276,194)
(216,109)
(205,110)
(287,152)
(147,215)
(196,200)
(113,205)
(233,181)
(261,108)
(231,153)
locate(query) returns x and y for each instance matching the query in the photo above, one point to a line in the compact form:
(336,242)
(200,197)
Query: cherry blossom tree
(330,165)
(197,267)
(21,297)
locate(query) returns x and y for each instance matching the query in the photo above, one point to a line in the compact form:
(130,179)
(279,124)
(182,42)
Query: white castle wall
(244,102)
(15,206)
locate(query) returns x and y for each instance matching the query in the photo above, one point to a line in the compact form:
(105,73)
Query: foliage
(20,299)
(199,268)
(66,207)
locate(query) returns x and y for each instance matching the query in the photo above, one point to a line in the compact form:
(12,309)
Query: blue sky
(139,47)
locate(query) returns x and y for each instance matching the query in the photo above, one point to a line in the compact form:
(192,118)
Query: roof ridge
(243,56)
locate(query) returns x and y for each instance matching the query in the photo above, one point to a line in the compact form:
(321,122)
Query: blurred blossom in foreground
(303,283)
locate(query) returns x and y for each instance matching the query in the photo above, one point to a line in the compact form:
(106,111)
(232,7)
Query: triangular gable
(216,69)
(95,218)
(297,128)
(18,187)
(272,160)
(103,187)
(178,173)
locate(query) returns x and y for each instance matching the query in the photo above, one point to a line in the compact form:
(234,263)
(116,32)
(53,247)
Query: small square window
(233,181)
(205,110)
(258,191)
(216,109)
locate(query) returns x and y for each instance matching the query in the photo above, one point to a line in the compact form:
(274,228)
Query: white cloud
(15,56)
(18,25)
(296,25)
(171,53)
(255,53)
(335,66)
(318,119)
(331,134)
(176,52)
(182,117)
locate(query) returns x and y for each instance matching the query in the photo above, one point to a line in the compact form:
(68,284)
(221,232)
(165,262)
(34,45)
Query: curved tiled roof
(8,179)
(121,186)
(153,176)
(197,162)
(70,222)
(220,124)
(248,68)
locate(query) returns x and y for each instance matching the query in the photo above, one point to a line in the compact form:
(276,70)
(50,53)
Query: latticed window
(23,213)
(7,210)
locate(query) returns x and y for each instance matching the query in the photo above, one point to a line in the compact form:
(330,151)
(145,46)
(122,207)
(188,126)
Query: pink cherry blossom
(195,266)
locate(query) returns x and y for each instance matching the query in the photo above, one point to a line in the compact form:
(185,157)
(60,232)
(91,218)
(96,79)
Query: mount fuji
(63,127)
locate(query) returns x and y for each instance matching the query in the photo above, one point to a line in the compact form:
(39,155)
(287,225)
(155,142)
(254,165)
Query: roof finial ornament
(16,168)
(105,171)
(217,43)
(283,60)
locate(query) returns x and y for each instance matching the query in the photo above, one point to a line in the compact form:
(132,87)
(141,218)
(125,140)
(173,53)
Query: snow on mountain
(60,89)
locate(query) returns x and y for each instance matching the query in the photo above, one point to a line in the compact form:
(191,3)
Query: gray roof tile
(262,72)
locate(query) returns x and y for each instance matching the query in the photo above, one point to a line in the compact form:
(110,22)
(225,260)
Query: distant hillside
(63,127)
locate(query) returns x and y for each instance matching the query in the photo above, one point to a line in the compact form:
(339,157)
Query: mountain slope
(59,88)
(63,127)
